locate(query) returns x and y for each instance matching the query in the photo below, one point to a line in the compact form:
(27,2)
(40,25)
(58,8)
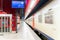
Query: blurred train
(46,20)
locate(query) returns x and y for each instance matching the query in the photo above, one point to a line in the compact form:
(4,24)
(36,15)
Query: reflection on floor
(24,33)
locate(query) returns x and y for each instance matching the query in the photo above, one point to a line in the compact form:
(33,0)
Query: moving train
(41,15)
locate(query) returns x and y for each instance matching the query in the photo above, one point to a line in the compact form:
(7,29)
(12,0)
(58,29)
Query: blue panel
(17,4)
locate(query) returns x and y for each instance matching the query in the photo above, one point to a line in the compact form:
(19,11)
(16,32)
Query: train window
(40,18)
(49,17)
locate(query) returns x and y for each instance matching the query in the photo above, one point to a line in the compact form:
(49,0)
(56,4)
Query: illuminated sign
(17,4)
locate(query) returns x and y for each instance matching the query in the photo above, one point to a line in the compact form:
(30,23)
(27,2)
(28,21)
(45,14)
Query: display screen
(17,4)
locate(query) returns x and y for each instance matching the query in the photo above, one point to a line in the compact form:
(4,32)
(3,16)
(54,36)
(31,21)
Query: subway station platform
(24,33)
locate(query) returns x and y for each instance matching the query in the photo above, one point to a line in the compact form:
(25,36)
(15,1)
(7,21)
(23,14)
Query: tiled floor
(24,33)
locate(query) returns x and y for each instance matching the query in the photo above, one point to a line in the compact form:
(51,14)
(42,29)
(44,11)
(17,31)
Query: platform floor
(24,33)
